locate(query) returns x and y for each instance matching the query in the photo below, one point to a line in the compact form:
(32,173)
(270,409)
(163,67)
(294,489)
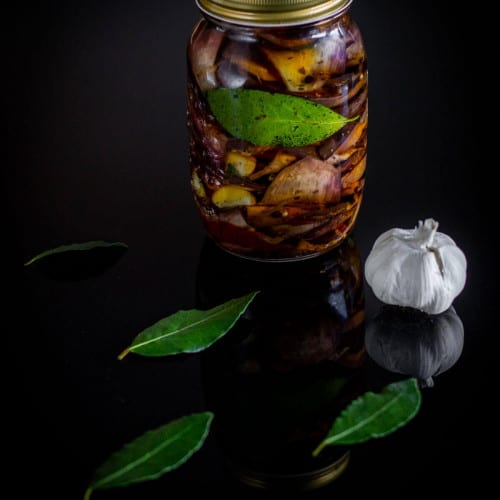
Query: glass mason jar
(277,119)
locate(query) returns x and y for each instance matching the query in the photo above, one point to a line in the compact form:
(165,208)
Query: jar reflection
(278,380)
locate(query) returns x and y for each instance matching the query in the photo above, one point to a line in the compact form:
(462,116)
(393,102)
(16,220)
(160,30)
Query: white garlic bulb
(419,268)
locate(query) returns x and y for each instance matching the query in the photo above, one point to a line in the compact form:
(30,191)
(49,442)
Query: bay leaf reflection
(410,342)
(79,265)
(278,380)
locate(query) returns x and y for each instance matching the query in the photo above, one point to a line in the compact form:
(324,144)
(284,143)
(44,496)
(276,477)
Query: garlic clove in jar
(309,69)
(240,163)
(420,268)
(232,196)
(308,180)
(203,51)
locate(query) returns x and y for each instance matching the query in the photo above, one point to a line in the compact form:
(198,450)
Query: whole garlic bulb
(419,268)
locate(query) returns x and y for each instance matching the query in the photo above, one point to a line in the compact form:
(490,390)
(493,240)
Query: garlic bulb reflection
(407,341)
(419,268)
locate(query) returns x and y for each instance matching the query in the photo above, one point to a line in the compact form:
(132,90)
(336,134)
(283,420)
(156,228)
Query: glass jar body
(277,120)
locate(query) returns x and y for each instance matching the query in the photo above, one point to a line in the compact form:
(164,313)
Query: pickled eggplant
(279,200)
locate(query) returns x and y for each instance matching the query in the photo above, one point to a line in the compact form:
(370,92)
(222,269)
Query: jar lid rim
(272,12)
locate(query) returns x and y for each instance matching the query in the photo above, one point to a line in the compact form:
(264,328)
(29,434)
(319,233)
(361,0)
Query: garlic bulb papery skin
(419,268)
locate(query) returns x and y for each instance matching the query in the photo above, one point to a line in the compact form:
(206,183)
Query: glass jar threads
(277,120)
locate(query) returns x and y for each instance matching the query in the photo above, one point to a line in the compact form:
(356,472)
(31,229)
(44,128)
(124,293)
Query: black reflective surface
(97,150)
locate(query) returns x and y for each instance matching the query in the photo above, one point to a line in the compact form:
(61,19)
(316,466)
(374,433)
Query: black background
(97,149)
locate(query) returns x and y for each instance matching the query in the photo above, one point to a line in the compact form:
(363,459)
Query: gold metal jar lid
(272,12)
(304,482)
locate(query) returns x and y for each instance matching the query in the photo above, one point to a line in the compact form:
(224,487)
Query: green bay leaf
(154,453)
(272,119)
(189,331)
(375,415)
(74,247)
